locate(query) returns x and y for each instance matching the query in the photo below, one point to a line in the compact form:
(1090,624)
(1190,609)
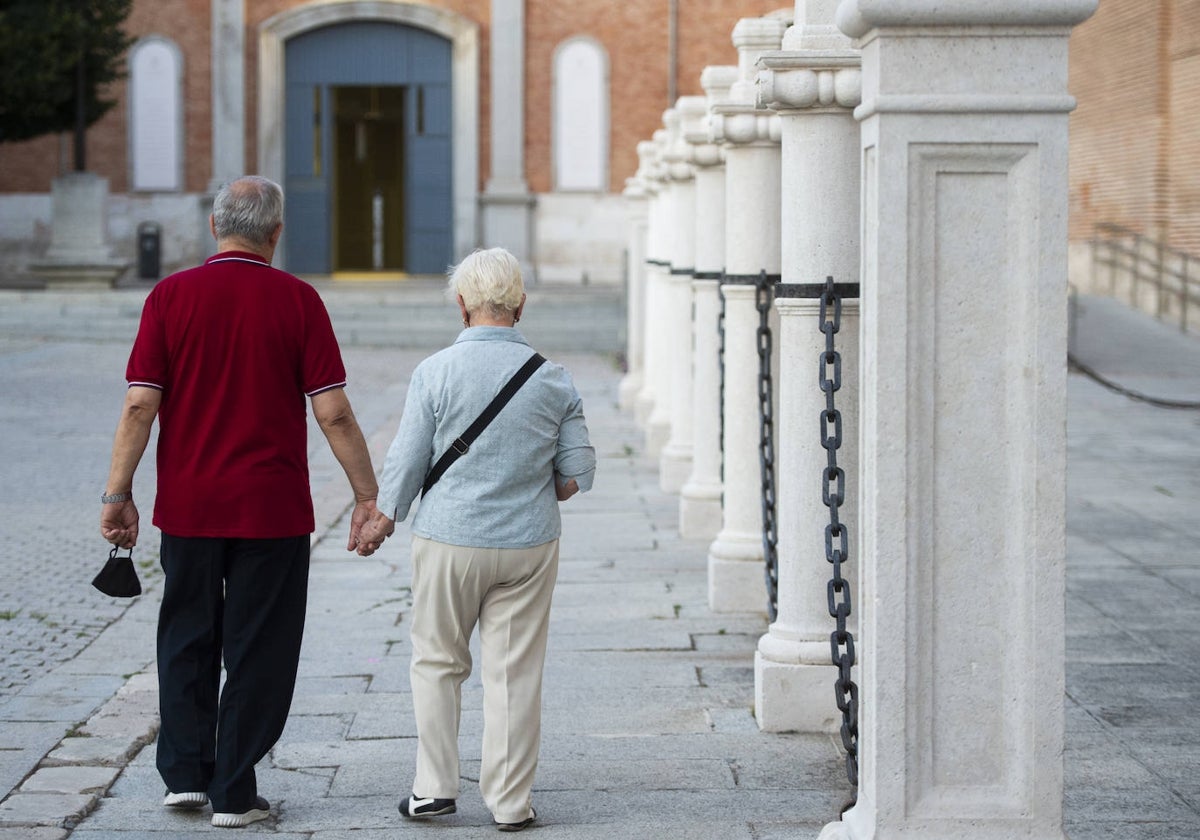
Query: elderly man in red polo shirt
(225,356)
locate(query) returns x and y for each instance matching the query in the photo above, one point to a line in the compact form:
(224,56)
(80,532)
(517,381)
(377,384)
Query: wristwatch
(116,497)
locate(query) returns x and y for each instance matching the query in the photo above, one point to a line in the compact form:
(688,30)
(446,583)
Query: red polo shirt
(235,346)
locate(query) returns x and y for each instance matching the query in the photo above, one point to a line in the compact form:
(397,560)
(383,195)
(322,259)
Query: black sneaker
(519,826)
(416,808)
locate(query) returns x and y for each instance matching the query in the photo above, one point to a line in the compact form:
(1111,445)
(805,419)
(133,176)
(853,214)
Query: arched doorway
(367,150)
(349,89)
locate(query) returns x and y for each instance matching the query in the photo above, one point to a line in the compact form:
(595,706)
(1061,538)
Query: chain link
(721,383)
(763,296)
(837,538)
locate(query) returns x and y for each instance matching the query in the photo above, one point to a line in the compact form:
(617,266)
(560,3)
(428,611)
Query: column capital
(859,17)
(791,81)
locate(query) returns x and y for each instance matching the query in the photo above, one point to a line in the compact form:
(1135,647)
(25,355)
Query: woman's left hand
(566,489)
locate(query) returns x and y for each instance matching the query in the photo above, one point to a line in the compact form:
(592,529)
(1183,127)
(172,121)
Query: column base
(794,697)
(658,432)
(643,407)
(699,511)
(735,575)
(674,467)
(628,390)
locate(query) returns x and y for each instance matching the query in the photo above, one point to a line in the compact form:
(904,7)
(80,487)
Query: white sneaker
(186,800)
(260,811)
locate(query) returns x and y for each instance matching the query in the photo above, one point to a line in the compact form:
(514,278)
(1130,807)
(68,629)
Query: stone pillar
(751,140)
(700,498)
(79,255)
(963,421)
(647,173)
(659,248)
(506,201)
(813,84)
(676,462)
(637,212)
(228,92)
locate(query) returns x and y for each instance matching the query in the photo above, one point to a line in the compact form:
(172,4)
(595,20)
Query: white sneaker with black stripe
(415,808)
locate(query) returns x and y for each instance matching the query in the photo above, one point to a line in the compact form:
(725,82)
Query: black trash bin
(149,237)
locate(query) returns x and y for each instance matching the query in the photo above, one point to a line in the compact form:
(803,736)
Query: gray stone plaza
(649,724)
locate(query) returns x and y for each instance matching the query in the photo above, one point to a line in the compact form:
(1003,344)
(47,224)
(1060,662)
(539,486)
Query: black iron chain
(837,539)
(763,296)
(721,379)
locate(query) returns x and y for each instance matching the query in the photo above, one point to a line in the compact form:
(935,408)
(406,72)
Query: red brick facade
(634,34)
(1135,136)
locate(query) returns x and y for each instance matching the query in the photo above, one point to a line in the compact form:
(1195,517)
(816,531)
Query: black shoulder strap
(463,442)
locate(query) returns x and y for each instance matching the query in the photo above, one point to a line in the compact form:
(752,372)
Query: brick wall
(1135,135)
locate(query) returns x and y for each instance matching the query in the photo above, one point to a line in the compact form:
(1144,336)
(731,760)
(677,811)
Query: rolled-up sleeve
(575,457)
(409,456)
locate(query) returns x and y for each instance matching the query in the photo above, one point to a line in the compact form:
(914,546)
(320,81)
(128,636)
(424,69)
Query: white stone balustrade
(752,196)
(813,85)
(963,422)
(651,395)
(700,498)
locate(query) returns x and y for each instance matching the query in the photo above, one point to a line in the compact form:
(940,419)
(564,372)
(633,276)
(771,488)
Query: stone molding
(857,18)
(738,126)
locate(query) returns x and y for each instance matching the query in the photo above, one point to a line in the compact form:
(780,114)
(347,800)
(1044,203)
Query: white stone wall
(578,236)
(25,230)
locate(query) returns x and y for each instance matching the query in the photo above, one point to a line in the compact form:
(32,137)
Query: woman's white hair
(489,280)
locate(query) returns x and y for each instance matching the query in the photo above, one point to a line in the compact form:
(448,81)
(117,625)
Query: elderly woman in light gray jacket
(485,539)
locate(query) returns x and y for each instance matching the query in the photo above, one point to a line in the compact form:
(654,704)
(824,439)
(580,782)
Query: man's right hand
(119,523)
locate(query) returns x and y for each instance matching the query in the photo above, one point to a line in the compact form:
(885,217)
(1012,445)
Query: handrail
(1137,259)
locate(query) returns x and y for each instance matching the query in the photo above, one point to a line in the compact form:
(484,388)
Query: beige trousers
(507,592)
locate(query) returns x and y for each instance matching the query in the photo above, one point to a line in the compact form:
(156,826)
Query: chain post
(837,538)
(763,296)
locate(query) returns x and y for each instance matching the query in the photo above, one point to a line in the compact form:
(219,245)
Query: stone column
(647,174)
(700,498)
(676,462)
(506,201)
(659,248)
(813,84)
(751,140)
(963,421)
(637,213)
(228,92)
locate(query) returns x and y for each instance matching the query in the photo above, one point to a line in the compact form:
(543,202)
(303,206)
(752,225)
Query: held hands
(119,523)
(368,528)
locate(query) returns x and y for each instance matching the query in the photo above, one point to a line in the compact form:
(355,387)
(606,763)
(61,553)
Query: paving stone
(74,779)
(49,809)
(111,750)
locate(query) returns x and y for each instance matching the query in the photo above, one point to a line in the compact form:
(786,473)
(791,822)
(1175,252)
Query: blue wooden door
(368,54)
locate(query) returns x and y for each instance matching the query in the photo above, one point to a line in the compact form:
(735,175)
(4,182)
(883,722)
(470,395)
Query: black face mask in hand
(118,578)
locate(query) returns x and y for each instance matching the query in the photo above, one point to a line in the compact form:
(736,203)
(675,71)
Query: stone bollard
(963,420)
(637,219)
(813,84)
(700,498)
(655,260)
(751,141)
(676,461)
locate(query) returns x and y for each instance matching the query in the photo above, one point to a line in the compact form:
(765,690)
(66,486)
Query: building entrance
(367,150)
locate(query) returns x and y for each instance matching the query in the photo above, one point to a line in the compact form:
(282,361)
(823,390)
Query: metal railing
(1147,274)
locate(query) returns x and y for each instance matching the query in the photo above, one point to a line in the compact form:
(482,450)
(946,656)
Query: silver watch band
(116,497)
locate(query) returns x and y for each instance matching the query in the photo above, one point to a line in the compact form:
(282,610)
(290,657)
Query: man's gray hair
(489,280)
(248,208)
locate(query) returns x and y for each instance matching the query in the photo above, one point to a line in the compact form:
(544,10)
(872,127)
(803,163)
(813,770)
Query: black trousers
(242,600)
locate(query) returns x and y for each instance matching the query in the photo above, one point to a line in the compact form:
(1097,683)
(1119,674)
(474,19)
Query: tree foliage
(41,45)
